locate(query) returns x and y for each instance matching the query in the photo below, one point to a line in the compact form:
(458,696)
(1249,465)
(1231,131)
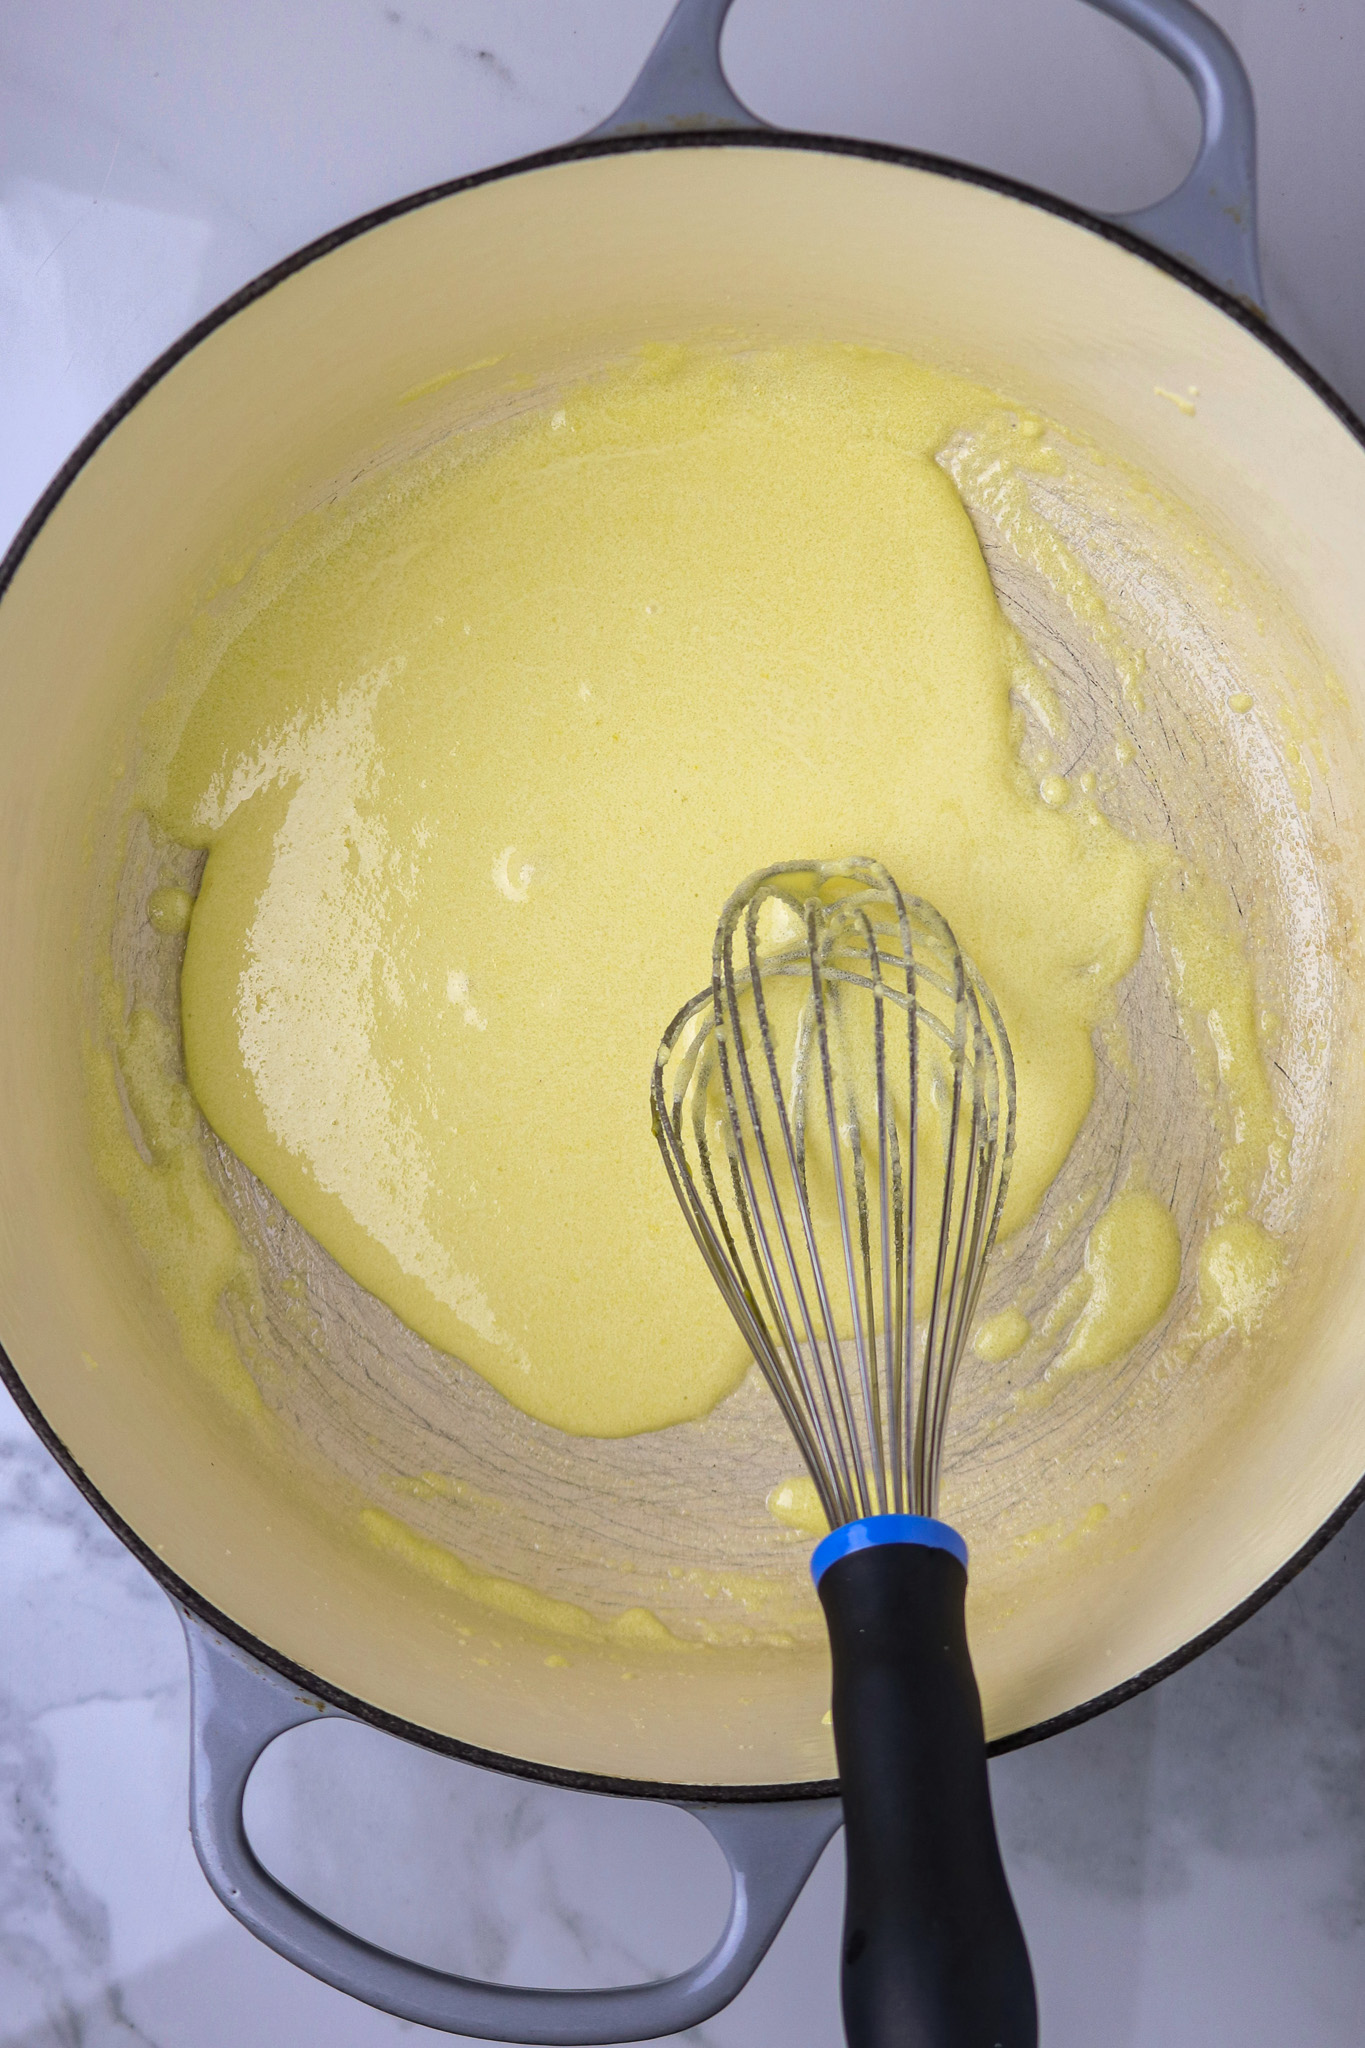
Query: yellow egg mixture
(478,764)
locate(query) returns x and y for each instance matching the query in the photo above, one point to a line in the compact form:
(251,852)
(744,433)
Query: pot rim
(184,1594)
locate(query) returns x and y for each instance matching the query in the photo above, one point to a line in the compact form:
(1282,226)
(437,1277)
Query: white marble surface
(1191,1869)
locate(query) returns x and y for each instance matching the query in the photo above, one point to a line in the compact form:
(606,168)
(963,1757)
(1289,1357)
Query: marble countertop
(1191,1867)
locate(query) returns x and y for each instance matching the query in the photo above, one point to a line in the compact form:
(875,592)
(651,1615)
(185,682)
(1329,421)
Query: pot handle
(682,84)
(1209,222)
(237,1709)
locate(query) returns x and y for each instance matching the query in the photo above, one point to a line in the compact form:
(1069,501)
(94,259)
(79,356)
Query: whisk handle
(933,1955)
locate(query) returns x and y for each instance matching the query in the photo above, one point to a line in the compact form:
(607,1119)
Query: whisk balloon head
(836,1113)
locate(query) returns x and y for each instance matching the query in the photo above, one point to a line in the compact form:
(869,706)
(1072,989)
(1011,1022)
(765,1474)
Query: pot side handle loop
(238,1708)
(1208,222)
(682,84)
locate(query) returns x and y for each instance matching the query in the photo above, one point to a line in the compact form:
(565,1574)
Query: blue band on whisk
(875,1529)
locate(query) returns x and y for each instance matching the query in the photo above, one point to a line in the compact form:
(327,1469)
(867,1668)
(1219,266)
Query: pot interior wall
(382,345)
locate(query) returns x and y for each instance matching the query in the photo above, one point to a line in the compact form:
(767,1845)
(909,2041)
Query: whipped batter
(484,757)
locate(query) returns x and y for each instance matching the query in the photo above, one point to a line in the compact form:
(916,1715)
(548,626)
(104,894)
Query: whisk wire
(833,1390)
(861,1272)
(931,1384)
(793,1354)
(820,1003)
(711,1230)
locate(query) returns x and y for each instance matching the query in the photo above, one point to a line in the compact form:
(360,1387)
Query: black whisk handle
(934,1956)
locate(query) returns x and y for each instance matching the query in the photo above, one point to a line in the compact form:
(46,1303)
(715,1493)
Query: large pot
(682,213)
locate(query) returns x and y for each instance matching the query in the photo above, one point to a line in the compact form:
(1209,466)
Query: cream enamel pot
(681,215)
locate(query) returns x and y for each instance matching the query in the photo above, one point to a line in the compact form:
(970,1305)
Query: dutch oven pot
(681,214)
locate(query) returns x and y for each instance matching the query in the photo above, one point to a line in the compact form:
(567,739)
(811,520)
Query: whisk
(836,1113)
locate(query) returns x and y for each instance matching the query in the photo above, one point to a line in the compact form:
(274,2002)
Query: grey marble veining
(1191,1868)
